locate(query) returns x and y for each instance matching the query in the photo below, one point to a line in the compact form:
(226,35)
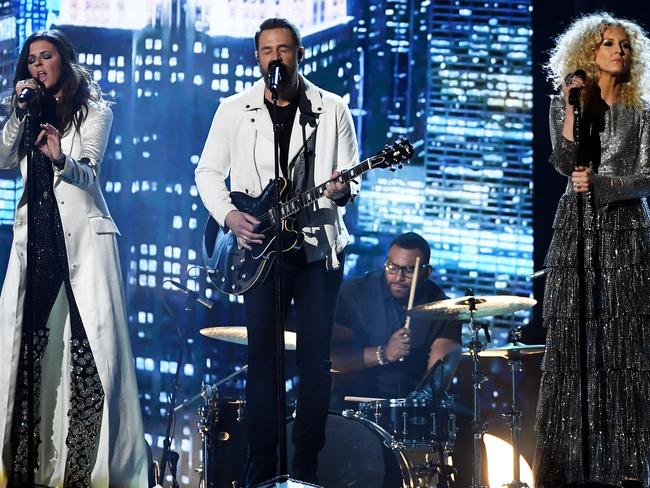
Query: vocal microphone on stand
(275,76)
(574,93)
(192,294)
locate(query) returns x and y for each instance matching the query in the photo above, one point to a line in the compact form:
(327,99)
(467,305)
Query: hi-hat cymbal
(458,308)
(238,335)
(510,350)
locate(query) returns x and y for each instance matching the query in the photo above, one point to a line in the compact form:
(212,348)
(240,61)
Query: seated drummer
(369,335)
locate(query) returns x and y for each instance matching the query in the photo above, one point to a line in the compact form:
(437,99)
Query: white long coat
(95,276)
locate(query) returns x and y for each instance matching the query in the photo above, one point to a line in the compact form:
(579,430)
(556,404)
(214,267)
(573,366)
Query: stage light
(499,463)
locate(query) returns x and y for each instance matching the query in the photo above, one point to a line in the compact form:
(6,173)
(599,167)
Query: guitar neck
(296,204)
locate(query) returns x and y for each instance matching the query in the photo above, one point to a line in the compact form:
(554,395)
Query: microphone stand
(582,319)
(28,319)
(169,457)
(279,315)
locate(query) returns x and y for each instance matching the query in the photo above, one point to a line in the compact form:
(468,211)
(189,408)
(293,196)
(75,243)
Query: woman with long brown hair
(88,426)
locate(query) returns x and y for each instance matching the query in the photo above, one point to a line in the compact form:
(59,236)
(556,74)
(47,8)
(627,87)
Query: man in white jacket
(317,141)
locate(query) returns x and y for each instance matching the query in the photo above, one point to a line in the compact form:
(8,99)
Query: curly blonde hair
(576,49)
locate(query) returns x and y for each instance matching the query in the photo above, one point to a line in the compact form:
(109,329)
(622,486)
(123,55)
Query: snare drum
(414,422)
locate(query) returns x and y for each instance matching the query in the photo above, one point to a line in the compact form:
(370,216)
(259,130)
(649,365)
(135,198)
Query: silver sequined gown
(617,261)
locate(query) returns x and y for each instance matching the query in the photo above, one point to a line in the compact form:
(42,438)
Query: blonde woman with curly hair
(613,177)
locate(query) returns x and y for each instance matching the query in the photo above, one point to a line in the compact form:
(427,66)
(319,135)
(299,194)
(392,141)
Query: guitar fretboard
(296,204)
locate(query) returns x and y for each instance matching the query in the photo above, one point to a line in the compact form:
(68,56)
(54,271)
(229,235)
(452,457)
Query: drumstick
(414,284)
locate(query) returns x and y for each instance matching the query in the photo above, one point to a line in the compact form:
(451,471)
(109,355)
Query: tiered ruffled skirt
(617,262)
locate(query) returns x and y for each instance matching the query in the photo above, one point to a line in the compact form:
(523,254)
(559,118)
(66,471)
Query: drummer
(374,354)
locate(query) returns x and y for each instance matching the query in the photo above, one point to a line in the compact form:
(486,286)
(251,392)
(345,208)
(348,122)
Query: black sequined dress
(49,275)
(617,262)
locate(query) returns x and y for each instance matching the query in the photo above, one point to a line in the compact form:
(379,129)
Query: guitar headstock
(394,155)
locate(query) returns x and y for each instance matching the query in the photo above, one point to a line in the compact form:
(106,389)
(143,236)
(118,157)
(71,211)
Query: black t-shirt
(367,308)
(285,118)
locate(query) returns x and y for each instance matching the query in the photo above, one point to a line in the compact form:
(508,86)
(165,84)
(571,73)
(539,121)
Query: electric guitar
(233,269)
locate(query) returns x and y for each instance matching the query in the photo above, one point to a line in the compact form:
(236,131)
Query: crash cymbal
(458,308)
(238,335)
(510,350)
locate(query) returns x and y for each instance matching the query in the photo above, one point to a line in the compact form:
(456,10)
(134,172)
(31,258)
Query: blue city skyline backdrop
(455,77)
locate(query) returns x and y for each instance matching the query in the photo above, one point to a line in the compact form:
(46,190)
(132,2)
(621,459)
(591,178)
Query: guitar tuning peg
(400,165)
(391,169)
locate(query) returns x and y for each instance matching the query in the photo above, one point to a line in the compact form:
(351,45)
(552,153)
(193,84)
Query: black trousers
(314,291)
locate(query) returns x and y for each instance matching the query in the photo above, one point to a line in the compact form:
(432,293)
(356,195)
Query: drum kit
(390,443)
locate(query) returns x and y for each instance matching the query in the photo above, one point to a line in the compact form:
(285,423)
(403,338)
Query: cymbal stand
(478,426)
(514,416)
(514,422)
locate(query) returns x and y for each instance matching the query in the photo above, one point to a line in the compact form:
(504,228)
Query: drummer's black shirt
(366,307)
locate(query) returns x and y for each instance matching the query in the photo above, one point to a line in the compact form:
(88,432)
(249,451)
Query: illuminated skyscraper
(31,15)
(478,153)
(108,14)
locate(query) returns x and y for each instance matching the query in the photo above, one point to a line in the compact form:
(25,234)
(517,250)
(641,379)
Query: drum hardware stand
(478,426)
(514,416)
(209,393)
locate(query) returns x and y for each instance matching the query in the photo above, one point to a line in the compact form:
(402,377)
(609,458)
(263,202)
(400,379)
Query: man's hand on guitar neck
(336,191)
(243,226)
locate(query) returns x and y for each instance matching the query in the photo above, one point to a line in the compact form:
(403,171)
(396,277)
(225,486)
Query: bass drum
(359,454)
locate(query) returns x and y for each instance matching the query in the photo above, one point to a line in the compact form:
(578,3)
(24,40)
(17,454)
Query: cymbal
(238,335)
(458,308)
(510,350)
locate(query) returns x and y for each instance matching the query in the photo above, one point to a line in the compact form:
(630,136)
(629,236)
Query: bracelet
(59,163)
(381,356)
(20,113)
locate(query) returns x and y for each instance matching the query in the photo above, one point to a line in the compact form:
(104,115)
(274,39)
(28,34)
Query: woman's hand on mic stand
(570,82)
(581,179)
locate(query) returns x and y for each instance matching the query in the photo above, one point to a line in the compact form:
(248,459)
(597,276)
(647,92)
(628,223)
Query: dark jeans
(314,291)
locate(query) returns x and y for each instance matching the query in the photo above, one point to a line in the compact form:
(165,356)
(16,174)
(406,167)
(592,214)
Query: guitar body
(231,268)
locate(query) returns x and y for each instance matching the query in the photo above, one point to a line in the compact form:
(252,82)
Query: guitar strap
(302,166)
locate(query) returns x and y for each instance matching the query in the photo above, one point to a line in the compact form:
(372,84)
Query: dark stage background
(460,78)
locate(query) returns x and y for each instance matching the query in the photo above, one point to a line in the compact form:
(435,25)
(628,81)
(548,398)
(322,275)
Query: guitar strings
(267,216)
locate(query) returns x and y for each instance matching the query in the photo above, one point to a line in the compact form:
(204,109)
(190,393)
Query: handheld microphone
(26,95)
(574,93)
(275,77)
(199,298)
